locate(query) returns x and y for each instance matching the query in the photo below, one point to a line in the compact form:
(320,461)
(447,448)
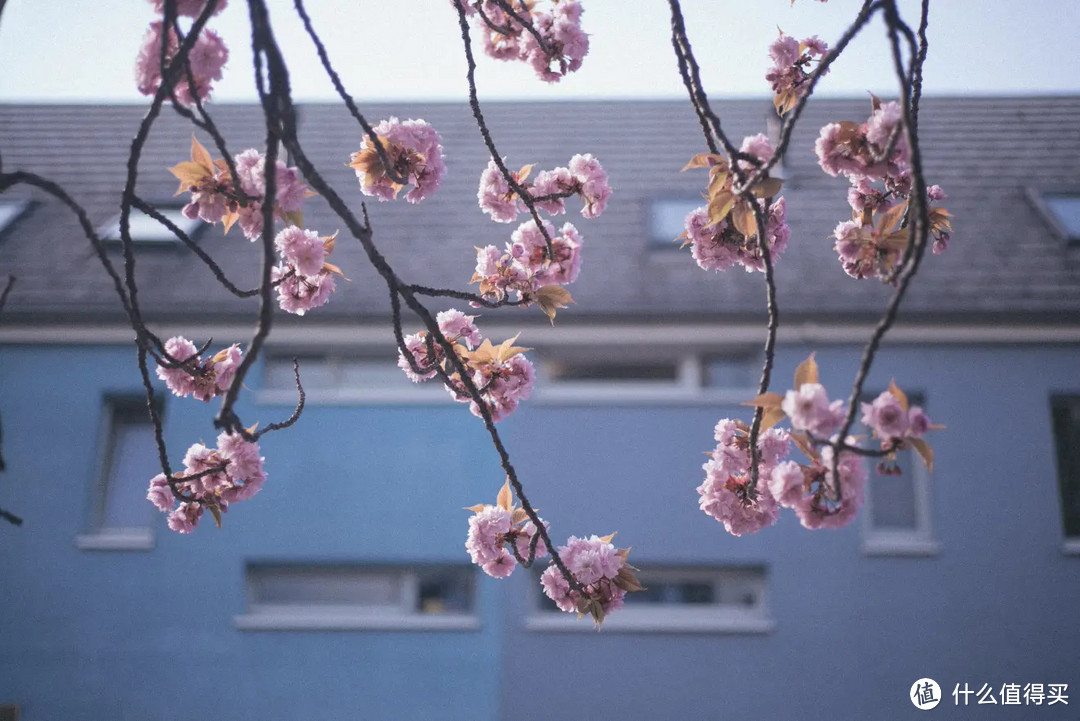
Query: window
(636,375)
(690,599)
(666,216)
(1065,414)
(343,378)
(147,230)
(897,519)
(10,211)
(121,515)
(1062,210)
(358,597)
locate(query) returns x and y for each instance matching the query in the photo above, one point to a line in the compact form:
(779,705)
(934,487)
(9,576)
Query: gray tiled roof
(1004,261)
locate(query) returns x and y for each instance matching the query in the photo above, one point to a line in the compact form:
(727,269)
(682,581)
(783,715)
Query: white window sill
(1071,547)
(345,621)
(116,539)
(639,394)
(901,544)
(430,395)
(654,620)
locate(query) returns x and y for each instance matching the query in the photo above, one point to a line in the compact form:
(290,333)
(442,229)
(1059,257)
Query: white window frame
(10,211)
(103,537)
(716,618)
(917,541)
(656,241)
(402,616)
(110,231)
(687,388)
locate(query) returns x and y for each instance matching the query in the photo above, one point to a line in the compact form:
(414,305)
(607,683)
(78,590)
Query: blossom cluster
(599,568)
(204,62)
(725,232)
(727,494)
(874,158)
(550,40)
(499,535)
(502,536)
(528,267)
(524,268)
(789,74)
(414,151)
(212,479)
(502,374)
(190,375)
(215,197)
(303,277)
(898,425)
(583,177)
(823,494)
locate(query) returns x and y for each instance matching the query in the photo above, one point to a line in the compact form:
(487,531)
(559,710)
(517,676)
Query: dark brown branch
(7,290)
(301,398)
(478,115)
(324,58)
(193,247)
(918,231)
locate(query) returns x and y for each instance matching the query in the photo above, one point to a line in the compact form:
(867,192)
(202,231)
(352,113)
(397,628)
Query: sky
(78,51)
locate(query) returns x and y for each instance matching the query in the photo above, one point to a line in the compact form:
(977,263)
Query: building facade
(343,589)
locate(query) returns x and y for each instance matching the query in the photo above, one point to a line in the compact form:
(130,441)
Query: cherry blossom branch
(301,399)
(918,231)
(689,70)
(691,76)
(324,58)
(277,104)
(462,295)
(262,41)
(508,8)
(865,13)
(474,103)
(173,228)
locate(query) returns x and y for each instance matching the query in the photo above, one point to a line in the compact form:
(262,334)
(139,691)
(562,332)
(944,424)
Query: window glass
(666,218)
(10,210)
(130,460)
(311,588)
(145,229)
(1066,211)
(1065,412)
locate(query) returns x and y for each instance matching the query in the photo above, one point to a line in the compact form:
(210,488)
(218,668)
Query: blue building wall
(150,635)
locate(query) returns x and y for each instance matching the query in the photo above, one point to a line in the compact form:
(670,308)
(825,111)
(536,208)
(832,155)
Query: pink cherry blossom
(298,293)
(726,494)
(415,152)
(885,416)
(809,409)
(193,376)
(597,566)
(820,507)
(495,196)
(720,246)
(160,494)
(206,60)
(458,327)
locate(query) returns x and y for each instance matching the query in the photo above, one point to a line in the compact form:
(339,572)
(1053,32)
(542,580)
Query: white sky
(78,50)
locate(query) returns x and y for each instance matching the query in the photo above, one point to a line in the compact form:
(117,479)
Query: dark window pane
(1065,411)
